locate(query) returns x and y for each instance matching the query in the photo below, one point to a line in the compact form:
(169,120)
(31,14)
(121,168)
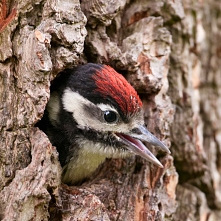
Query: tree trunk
(170,51)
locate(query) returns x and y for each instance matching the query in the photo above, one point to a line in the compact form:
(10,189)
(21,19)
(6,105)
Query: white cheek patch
(75,103)
(72,101)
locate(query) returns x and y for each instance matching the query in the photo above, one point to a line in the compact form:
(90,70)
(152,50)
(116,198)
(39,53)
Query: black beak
(134,144)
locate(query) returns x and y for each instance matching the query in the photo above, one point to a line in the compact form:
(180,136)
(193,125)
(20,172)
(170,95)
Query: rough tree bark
(170,51)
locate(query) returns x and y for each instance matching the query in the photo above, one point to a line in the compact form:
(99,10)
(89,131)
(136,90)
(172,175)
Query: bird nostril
(136,131)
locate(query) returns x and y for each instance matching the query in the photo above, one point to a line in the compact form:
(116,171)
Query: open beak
(134,144)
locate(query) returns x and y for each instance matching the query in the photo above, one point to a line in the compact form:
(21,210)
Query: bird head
(106,109)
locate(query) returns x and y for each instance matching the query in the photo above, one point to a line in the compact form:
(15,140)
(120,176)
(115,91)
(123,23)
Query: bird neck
(83,166)
(89,156)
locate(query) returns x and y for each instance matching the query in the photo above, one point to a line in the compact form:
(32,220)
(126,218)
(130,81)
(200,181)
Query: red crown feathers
(110,83)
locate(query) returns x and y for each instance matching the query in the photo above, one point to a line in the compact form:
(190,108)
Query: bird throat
(82,167)
(90,156)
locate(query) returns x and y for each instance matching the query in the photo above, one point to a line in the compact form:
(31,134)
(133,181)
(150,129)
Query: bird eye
(110,116)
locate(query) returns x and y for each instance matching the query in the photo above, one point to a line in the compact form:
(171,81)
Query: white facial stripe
(75,103)
(106,107)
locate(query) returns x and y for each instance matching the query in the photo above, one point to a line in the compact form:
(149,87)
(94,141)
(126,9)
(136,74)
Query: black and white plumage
(93,114)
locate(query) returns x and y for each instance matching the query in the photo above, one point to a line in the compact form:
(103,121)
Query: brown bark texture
(170,51)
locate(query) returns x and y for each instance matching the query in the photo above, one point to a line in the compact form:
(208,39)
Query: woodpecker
(93,113)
